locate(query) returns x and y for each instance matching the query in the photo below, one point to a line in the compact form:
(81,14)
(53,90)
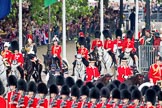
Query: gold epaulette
(155,70)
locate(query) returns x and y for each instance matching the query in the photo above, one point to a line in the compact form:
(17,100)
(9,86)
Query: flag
(5,6)
(49,2)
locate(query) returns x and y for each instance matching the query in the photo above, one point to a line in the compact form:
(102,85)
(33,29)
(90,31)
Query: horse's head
(106,78)
(79,58)
(47,60)
(139,78)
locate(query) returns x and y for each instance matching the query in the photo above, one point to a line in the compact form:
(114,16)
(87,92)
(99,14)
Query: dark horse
(49,60)
(94,54)
(104,79)
(33,69)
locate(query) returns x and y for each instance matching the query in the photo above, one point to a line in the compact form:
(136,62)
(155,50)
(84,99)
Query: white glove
(125,77)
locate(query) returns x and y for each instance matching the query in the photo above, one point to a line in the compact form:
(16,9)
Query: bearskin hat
(106,34)
(118,33)
(116,82)
(79,83)
(21,85)
(42,88)
(97,34)
(129,34)
(32,87)
(143,90)
(99,85)
(159,96)
(150,96)
(105,92)
(82,41)
(136,94)
(90,85)
(14,45)
(123,86)
(125,94)
(12,80)
(59,80)
(2,89)
(69,81)
(111,86)
(94,93)
(65,90)
(116,93)
(75,91)
(54,89)
(156,88)
(131,88)
(84,90)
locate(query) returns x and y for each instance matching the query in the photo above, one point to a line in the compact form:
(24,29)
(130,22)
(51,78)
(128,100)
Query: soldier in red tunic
(96,42)
(124,71)
(126,97)
(118,41)
(159,105)
(150,98)
(22,98)
(2,99)
(13,94)
(31,99)
(92,72)
(56,50)
(17,58)
(109,44)
(54,95)
(115,99)
(42,92)
(155,72)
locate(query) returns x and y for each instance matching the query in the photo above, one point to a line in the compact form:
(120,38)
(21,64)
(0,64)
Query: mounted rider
(109,44)
(96,42)
(6,54)
(80,40)
(17,57)
(56,50)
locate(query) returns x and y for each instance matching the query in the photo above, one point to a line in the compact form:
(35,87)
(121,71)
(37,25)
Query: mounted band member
(96,42)
(17,57)
(109,44)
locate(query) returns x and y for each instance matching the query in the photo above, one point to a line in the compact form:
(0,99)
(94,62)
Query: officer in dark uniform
(2,99)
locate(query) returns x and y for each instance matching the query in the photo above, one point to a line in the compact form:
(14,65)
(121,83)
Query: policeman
(54,95)
(150,98)
(42,92)
(96,42)
(2,99)
(31,99)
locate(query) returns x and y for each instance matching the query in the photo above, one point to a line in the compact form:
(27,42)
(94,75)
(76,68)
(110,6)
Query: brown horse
(104,79)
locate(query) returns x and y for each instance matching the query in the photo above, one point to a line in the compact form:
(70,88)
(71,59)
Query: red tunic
(92,73)
(34,104)
(123,72)
(56,50)
(7,55)
(127,44)
(109,44)
(9,97)
(155,73)
(44,104)
(96,43)
(83,52)
(25,101)
(118,42)
(19,58)
(158,106)
(2,102)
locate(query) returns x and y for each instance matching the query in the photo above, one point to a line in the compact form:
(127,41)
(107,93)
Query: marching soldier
(124,71)
(84,93)
(31,99)
(22,98)
(150,98)
(118,41)
(56,50)
(92,72)
(116,96)
(96,42)
(17,57)
(109,44)
(159,105)
(126,97)
(2,99)
(60,82)
(13,94)
(155,73)
(42,92)
(54,95)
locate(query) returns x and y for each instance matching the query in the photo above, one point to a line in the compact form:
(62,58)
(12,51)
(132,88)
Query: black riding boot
(74,64)
(21,72)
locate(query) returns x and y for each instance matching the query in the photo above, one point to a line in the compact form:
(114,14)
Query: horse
(106,61)
(3,76)
(137,79)
(33,69)
(117,54)
(14,71)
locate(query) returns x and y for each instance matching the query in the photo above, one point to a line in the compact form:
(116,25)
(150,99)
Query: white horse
(106,62)
(79,70)
(14,70)
(117,53)
(3,76)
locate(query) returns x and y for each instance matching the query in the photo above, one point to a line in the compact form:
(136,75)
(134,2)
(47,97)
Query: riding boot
(21,72)
(8,71)
(74,64)
(132,56)
(85,62)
